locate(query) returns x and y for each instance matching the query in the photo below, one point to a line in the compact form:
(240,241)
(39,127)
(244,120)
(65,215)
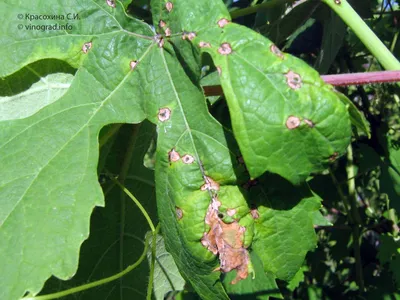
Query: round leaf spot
(222,22)
(275,50)
(161,24)
(187,159)
(173,156)
(86,47)
(133,64)
(169,6)
(111,3)
(293,80)
(179,213)
(191,35)
(254,213)
(167,31)
(225,49)
(292,122)
(164,114)
(204,45)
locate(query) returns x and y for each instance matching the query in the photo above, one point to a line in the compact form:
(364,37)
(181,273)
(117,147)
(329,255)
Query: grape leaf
(166,274)
(117,231)
(279,106)
(284,228)
(48,184)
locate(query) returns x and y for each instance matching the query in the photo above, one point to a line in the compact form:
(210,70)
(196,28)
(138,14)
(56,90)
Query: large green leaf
(285,118)
(166,273)
(284,227)
(200,144)
(48,183)
(118,230)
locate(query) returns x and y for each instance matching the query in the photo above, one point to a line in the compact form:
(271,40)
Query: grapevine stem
(364,33)
(92,284)
(336,80)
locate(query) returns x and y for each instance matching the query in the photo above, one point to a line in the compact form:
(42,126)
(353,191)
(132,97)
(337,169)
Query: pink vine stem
(336,80)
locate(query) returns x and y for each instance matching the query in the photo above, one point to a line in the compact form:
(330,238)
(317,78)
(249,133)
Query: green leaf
(356,117)
(389,252)
(49,81)
(48,182)
(280,108)
(24,46)
(263,286)
(284,229)
(297,279)
(200,142)
(166,274)
(118,230)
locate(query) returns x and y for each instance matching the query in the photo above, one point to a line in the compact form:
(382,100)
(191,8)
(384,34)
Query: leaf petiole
(138,204)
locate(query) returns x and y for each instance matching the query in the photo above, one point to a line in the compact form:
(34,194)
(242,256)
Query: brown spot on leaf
(169,6)
(111,3)
(309,123)
(86,47)
(173,156)
(292,122)
(164,114)
(293,80)
(225,49)
(191,35)
(275,50)
(334,156)
(167,31)
(187,159)
(219,70)
(231,212)
(254,213)
(160,42)
(222,22)
(204,45)
(209,185)
(227,241)
(161,24)
(179,213)
(133,64)
(338,2)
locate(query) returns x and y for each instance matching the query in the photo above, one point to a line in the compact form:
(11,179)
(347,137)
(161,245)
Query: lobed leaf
(280,107)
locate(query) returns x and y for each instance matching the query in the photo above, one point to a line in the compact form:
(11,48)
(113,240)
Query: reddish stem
(336,80)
